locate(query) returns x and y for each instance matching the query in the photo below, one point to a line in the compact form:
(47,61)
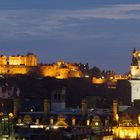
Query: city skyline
(102,33)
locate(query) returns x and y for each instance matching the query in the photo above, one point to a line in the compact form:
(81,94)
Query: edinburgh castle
(25,64)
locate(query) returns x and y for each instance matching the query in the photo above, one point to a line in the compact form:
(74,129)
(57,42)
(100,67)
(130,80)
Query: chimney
(73,121)
(46,106)
(84,107)
(115,110)
(51,121)
(16,106)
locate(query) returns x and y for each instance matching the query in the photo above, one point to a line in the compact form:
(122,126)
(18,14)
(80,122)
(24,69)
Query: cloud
(38,23)
(109,12)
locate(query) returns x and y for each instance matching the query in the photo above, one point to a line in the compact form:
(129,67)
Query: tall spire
(134,58)
(134,50)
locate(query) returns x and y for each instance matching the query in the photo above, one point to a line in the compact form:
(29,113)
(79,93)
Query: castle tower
(16,106)
(3,60)
(138,58)
(73,121)
(134,58)
(135,76)
(134,64)
(46,106)
(31,59)
(84,108)
(115,110)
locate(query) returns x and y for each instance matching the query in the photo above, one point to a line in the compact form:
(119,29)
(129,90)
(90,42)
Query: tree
(96,72)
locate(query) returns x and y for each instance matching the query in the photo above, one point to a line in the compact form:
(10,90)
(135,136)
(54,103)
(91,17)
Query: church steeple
(134,50)
(134,58)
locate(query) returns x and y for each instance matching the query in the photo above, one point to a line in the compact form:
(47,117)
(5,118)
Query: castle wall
(48,71)
(75,73)
(14,69)
(60,73)
(31,60)
(28,60)
(3,60)
(17,69)
(14,60)
(3,69)
(53,71)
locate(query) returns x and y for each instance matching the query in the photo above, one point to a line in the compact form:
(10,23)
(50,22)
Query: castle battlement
(28,60)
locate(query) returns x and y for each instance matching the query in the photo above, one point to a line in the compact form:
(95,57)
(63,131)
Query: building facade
(135,76)
(28,60)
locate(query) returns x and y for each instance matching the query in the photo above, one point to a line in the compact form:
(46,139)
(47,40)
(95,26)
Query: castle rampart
(3,60)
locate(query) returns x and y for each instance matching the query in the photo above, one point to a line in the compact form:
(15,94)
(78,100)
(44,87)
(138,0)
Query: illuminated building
(110,81)
(7,126)
(101,80)
(96,125)
(3,60)
(61,122)
(127,128)
(61,70)
(18,64)
(126,123)
(135,76)
(115,111)
(28,60)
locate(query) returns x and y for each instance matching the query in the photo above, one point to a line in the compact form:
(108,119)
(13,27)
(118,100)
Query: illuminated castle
(61,70)
(135,76)
(28,60)
(17,64)
(20,64)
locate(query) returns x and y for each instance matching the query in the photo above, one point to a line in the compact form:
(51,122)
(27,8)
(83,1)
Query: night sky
(101,32)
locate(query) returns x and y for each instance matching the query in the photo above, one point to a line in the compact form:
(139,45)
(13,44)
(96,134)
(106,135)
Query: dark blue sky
(101,32)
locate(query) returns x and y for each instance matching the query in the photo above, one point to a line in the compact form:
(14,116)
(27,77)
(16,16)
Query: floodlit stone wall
(60,72)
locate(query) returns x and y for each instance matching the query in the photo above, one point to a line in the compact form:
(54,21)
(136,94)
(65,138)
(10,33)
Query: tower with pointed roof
(134,58)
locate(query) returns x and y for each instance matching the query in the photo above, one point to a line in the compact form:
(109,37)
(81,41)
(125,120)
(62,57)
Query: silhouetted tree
(96,72)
